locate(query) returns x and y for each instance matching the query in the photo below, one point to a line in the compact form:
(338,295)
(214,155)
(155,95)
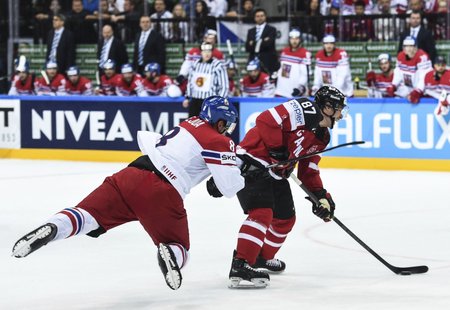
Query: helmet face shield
(230,127)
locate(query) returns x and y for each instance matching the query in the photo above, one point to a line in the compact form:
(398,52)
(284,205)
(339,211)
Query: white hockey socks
(73,221)
(181,255)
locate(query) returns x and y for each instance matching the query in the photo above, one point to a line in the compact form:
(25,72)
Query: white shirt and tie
(105,50)
(55,43)
(415,32)
(142,41)
(258,35)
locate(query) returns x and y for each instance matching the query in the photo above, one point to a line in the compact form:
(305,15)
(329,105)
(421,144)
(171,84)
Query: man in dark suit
(261,43)
(111,47)
(149,46)
(424,38)
(60,45)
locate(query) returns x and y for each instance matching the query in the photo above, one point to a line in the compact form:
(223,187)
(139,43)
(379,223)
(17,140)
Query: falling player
(292,129)
(152,188)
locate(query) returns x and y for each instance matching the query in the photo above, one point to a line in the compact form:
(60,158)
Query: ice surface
(404,216)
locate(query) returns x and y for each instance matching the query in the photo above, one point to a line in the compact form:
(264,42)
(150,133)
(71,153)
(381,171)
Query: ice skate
(34,240)
(273,265)
(242,275)
(169,267)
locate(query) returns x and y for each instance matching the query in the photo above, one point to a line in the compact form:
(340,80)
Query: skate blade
(173,277)
(270,271)
(256,283)
(22,248)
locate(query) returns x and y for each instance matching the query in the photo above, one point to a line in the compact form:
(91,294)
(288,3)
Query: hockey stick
(45,76)
(397,270)
(288,161)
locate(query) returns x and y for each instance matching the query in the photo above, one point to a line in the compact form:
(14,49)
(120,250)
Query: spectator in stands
(348,7)
(109,79)
(203,21)
(195,54)
(379,83)
(311,25)
(23,81)
(206,78)
(130,83)
(412,65)
(387,28)
(256,83)
(102,13)
(91,5)
(82,29)
(155,83)
(233,89)
(293,75)
(163,27)
(77,84)
(332,24)
(149,46)
(111,47)
(127,22)
(437,80)
(217,8)
(423,37)
(440,28)
(361,27)
(332,68)
(260,43)
(51,83)
(43,18)
(60,44)
(180,26)
(246,11)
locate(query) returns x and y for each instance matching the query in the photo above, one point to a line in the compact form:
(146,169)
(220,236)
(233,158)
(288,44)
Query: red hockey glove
(281,154)
(326,206)
(415,95)
(371,78)
(391,91)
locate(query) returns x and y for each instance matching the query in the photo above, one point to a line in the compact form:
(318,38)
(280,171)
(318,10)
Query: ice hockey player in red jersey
(77,84)
(256,83)
(130,83)
(23,81)
(152,188)
(155,83)
(289,130)
(379,82)
(108,80)
(292,80)
(437,85)
(51,83)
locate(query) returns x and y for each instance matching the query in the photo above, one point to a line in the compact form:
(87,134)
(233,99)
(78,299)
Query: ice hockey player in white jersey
(332,68)
(152,188)
(292,78)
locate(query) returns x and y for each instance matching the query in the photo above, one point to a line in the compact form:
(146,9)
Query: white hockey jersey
(333,70)
(293,72)
(190,152)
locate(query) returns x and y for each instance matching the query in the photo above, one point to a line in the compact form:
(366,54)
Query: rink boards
(398,135)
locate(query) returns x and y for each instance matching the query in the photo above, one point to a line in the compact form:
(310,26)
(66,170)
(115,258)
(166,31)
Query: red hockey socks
(275,236)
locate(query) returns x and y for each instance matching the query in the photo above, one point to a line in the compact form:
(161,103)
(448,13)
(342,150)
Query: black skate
(242,275)
(34,240)
(273,265)
(169,267)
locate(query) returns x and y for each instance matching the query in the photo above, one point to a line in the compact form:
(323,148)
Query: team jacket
(192,151)
(83,87)
(382,82)
(411,72)
(295,125)
(432,84)
(57,86)
(195,54)
(108,86)
(159,88)
(134,88)
(333,70)
(262,87)
(293,72)
(22,88)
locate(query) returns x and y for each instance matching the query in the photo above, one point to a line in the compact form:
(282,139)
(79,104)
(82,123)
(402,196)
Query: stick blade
(406,271)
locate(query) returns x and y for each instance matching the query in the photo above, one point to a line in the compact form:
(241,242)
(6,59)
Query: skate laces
(274,262)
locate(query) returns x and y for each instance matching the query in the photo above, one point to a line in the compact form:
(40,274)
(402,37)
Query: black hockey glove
(252,170)
(180,79)
(297,92)
(281,154)
(325,209)
(212,189)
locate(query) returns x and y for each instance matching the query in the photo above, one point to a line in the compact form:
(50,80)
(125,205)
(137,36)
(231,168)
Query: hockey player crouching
(152,188)
(289,130)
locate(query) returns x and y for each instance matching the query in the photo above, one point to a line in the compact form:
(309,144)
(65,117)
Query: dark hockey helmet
(216,108)
(332,96)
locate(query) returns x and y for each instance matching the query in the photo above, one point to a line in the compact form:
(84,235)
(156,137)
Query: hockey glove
(325,209)
(180,79)
(371,78)
(297,92)
(415,95)
(443,105)
(281,154)
(212,189)
(390,91)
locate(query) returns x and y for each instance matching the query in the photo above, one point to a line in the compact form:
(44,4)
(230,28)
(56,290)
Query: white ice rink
(404,216)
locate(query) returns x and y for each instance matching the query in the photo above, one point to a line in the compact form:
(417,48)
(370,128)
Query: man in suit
(260,43)
(149,46)
(424,38)
(60,44)
(111,47)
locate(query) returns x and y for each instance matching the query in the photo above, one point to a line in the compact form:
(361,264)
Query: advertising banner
(9,124)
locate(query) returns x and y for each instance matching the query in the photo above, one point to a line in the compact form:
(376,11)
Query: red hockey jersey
(262,87)
(22,88)
(108,86)
(83,87)
(159,88)
(57,86)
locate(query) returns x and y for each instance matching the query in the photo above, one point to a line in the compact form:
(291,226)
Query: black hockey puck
(405,273)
